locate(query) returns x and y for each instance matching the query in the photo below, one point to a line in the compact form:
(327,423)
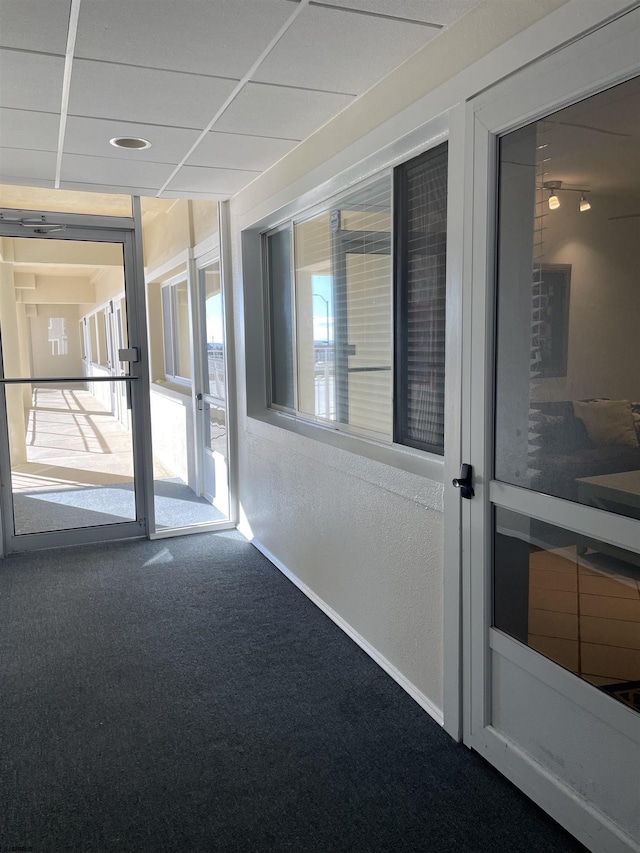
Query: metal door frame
(98,229)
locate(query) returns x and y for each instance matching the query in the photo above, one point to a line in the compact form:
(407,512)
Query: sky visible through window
(322,309)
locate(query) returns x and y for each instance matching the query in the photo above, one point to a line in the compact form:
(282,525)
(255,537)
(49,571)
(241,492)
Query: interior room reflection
(568,383)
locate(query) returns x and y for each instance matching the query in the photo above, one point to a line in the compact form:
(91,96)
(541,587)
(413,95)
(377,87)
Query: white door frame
(593,63)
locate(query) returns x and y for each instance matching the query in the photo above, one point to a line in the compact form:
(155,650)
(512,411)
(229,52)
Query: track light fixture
(555,187)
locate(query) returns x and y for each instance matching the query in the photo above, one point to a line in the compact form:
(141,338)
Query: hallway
(79,469)
(182,695)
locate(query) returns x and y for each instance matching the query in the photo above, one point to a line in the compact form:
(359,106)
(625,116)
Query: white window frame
(424,463)
(172,345)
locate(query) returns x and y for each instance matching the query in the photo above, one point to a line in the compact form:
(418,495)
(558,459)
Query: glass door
(553,646)
(68,377)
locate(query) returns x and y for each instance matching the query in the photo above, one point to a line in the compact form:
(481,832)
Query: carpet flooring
(182,695)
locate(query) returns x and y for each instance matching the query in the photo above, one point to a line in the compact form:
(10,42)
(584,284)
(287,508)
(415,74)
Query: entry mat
(625,691)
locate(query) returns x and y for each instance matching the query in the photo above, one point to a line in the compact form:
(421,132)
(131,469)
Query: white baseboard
(425,703)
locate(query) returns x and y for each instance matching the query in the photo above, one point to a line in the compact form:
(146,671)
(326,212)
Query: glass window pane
(280,318)
(71,457)
(181,330)
(214,333)
(571,598)
(568,349)
(422,248)
(344,313)
(167,331)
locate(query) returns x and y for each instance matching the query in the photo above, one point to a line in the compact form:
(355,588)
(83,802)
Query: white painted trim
(207,527)
(425,703)
(585,695)
(579,518)
(72,32)
(166,268)
(207,251)
(571,811)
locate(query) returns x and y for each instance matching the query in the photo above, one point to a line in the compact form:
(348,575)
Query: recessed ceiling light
(132,143)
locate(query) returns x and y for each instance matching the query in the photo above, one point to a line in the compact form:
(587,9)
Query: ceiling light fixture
(585,204)
(131,143)
(554,186)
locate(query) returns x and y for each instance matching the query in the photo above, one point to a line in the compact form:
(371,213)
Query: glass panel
(180,498)
(568,355)
(574,599)
(214,376)
(71,458)
(343,311)
(422,296)
(181,329)
(167,331)
(281,318)
(64,201)
(216,475)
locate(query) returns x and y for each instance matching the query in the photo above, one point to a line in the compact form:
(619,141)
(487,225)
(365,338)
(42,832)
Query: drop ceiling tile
(280,111)
(35,24)
(31,81)
(105,90)
(341,51)
(195,196)
(24,129)
(91,136)
(23,163)
(106,170)
(443,12)
(108,189)
(233,151)
(218,37)
(199,179)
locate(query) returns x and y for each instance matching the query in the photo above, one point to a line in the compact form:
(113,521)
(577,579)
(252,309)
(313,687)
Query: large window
(339,352)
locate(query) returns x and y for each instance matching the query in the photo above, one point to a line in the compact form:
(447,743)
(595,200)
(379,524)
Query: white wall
(365,537)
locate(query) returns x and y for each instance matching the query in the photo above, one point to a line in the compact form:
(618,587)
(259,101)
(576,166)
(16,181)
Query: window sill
(422,464)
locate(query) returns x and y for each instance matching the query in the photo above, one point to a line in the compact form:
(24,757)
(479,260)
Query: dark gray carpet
(182,695)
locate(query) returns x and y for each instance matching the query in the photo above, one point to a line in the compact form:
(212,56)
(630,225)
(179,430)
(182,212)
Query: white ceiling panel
(232,151)
(24,163)
(105,90)
(198,179)
(106,170)
(280,111)
(443,12)
(107,188)
(341,51)
(195,196)
(24,129)
(92,135)
(35,24)
(30,81)
(218,37)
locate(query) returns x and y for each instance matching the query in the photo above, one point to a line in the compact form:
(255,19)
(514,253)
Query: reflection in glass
(568,348)
(577,604)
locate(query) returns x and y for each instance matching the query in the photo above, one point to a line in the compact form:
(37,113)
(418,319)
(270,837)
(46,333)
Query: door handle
(463,481)
(199,399)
